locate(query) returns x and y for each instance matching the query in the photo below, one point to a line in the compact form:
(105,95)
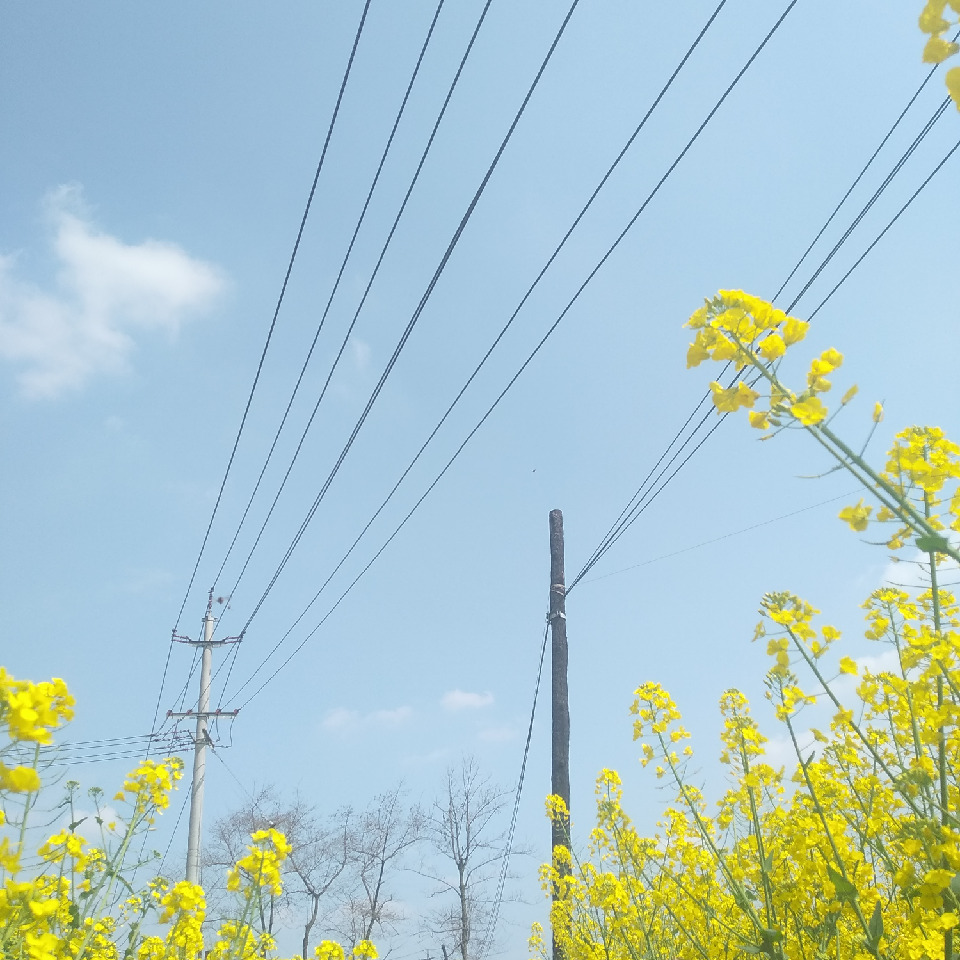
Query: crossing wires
(582,287)
(266,346)
(373,275)
(661,474)
(408,330)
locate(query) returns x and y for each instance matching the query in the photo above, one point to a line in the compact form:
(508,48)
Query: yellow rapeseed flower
(19,779)
(809,412)
(857,516)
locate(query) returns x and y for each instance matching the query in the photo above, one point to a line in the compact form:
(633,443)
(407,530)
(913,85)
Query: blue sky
(154,166)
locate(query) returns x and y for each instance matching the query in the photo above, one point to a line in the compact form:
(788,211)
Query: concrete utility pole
(560,767)
(202,740)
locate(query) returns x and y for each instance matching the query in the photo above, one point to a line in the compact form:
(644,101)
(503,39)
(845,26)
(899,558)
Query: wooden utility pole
(560,767)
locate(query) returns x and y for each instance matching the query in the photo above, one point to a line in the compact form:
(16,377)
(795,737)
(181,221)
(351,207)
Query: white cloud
(87,827)
(390,718)
(912,571)
(106,293)
(462,700)
(342,719)
(779,751)
(361,354)
(496,734)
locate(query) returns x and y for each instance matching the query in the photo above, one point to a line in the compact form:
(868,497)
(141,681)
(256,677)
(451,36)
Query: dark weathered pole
(560,767)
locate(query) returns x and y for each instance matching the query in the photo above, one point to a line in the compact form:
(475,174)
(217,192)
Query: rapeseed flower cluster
(934,21)
(852,853)
(918,490)
(260,868)
(854,850)
(79,902)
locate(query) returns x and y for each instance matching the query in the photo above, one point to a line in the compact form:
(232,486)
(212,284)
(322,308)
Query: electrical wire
(609,172)
(883,232)
(505,863)
(516,375)
(231,662)
(99,742)
(266,346)
(369,285)
(415,317)
(630,516)
(639,502)
(556,252)
(898,166)
(370,282)
(858,178)
(172,749)
(336,284)
(724,536)
(276,312)
(173,833)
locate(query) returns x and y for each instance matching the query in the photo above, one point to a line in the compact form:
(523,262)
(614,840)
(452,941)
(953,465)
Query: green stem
(739,893)
(945,817)
(811,663)
(826,827)
(892,498)
(761,852)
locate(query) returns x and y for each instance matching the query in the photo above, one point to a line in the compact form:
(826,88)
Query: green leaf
(931,543)
(767,948)
(768,863)
(846,891)
(875,930)
(76,823)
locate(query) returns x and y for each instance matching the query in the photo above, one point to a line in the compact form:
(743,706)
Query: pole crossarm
(179,638)
(204,713)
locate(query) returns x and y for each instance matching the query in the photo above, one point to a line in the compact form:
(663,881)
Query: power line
(173,834)
(276,312)
(603,180)
(857,179)
(724,536)
(505,863)
(883,232)
(898,166)
(516,375)
(336,284)
(172,747)
(639,502)
(396,222)
(631,513)
(266,345)
(416,316)
(230,662)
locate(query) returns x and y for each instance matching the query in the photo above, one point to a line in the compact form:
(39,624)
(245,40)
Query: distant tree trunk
(465,831)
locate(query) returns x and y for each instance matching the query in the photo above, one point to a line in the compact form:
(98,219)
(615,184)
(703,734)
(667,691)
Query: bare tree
(321,853)
(380,839)
(465,829)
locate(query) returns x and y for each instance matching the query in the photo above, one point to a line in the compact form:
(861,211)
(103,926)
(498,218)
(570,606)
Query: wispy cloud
(912,570)
(106,293)
(497,734)
(341,719)
(462,700)
(361,354)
